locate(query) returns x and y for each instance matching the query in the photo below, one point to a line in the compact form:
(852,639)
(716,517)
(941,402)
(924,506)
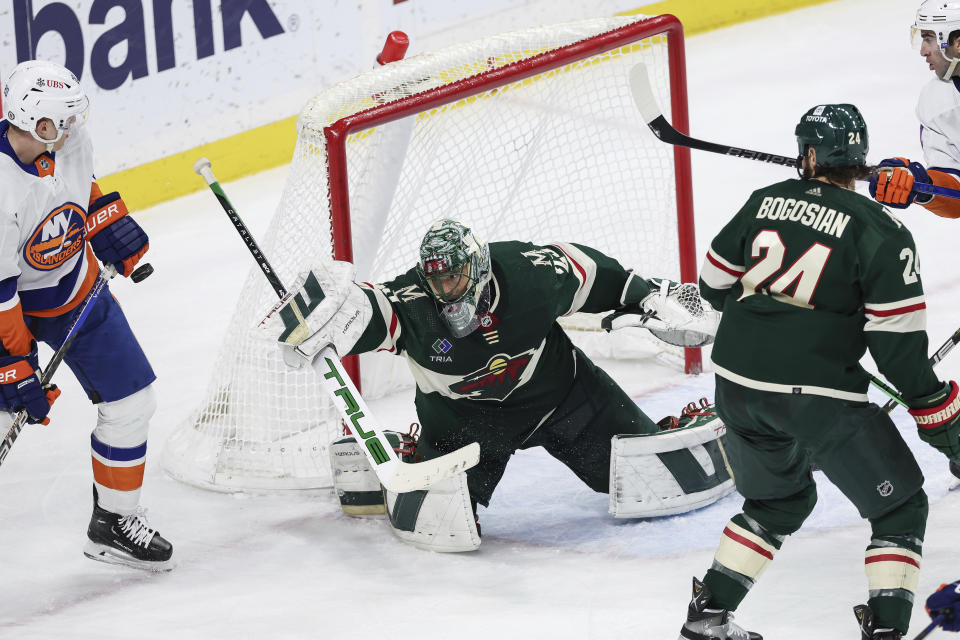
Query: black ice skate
(711,624)
(868,626)
(126,540)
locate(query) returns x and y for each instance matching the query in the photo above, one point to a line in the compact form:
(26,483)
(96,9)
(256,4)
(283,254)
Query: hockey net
(530,135)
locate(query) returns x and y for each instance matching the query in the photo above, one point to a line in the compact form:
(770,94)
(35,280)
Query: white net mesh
(562,155)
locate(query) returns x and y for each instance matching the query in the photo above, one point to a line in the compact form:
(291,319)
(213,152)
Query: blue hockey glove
(20,388)
(938,419)
(945,602)
(116,238)
(894,184)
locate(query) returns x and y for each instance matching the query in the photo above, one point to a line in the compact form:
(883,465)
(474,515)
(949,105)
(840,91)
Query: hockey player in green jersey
(477,323)
(809,275)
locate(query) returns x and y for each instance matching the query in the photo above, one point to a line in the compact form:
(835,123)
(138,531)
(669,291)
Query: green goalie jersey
(519,359)
(808,276)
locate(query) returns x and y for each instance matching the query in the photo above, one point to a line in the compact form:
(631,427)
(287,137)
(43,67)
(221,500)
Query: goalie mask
(942,19)
(837,132)
(455,267)
(38,89)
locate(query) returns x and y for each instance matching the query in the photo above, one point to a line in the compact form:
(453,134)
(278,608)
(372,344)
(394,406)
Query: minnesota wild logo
(497,379)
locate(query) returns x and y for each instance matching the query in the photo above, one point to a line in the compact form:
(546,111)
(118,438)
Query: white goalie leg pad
(354,480)
(437,519)
(670,472)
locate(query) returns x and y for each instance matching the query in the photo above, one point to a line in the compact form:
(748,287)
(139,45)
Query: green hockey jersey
(519,359)
(808,276)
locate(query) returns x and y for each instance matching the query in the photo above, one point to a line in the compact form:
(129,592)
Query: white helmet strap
(953,65)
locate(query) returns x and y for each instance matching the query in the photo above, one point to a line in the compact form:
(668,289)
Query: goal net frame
(263,427)
(336,136)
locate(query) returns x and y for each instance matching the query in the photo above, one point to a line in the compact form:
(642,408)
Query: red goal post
(669,25)
(529,135)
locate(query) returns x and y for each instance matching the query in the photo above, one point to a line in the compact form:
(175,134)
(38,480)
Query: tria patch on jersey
(497,379)
(441,347)
(57,238)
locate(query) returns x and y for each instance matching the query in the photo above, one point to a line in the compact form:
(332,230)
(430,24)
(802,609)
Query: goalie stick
(394,474)
(108,272)
(650,111)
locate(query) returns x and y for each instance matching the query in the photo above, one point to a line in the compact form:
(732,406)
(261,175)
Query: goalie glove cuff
(635,290)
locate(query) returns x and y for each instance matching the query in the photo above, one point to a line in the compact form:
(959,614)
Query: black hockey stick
(394,474)
(647,105)
(105,276)
(938,355)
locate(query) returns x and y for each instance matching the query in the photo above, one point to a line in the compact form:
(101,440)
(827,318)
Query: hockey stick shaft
(937,356)
(650,111)
(21,417)
(930,627)
(393,473)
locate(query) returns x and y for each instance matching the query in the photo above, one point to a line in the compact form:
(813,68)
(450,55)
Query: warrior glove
(116,238)
(20,387)
(938,419)
(894,184)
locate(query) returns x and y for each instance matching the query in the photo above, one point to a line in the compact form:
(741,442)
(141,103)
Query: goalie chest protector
(519,357)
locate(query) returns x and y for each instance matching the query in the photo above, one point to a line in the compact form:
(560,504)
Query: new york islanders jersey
(519,358)
(938,110)
(808,275)
(46,267)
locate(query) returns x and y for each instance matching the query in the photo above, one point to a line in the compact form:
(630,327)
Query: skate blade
(103,553)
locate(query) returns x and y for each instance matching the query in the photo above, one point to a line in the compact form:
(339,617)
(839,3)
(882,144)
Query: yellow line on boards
(272,145)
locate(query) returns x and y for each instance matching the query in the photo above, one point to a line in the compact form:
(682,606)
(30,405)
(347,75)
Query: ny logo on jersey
(57,238)
(547,258)
(406,294)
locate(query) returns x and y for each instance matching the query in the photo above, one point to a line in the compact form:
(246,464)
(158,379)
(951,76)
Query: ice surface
(553,564)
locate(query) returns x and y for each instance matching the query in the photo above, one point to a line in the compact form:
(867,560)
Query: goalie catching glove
(673,312)
(325,308)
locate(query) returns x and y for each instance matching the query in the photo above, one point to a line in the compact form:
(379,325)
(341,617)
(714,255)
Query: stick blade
(643,94)
(408,477)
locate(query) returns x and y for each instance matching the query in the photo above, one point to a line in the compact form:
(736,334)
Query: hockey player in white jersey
(54,225)
(936,33)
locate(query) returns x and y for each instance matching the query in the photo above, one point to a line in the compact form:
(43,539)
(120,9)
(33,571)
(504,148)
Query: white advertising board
(165,76)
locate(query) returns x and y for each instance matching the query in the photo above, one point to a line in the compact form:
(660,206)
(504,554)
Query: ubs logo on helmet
(57,238)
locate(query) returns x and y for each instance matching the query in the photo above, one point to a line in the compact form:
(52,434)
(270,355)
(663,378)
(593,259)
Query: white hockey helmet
(942,18)
(38,89)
